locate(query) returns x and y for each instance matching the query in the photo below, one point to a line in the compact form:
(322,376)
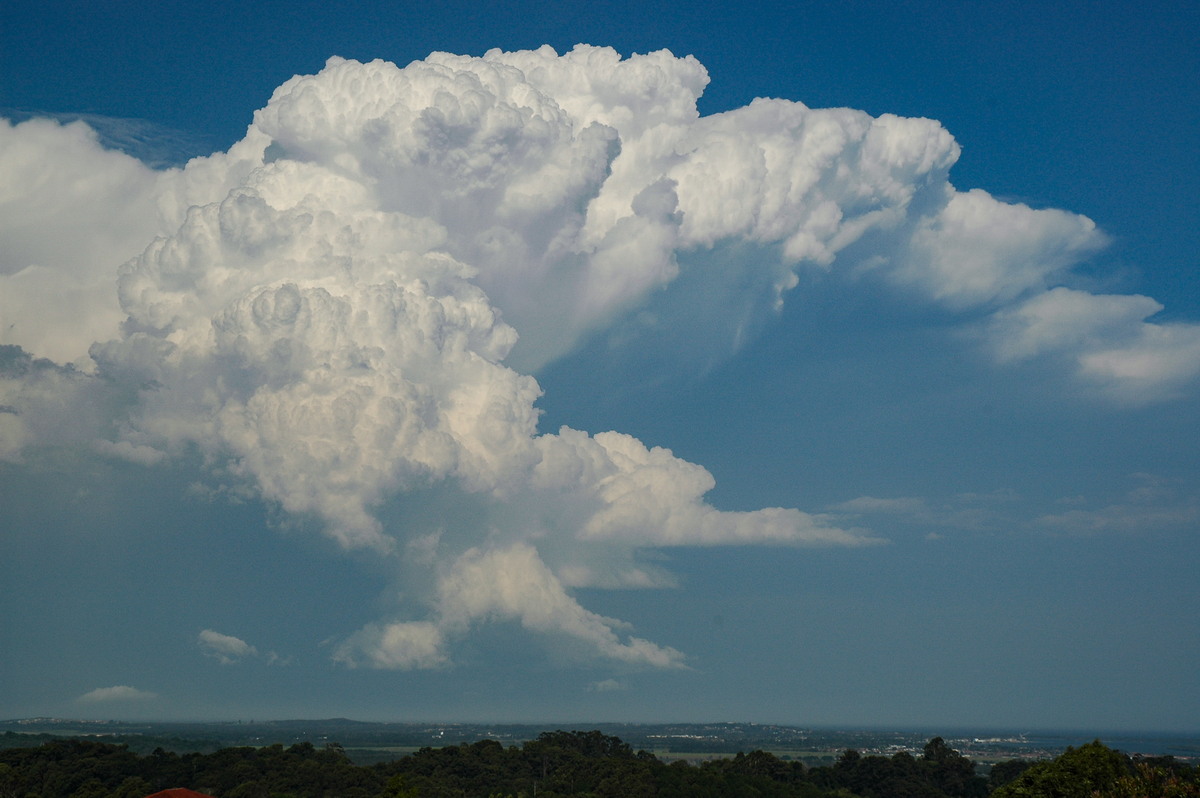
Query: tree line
(574,763)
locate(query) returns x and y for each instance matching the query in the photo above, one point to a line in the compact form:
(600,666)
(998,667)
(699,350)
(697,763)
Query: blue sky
(980,426)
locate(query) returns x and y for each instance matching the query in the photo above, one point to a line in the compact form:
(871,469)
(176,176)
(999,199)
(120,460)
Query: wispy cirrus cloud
(115,694)
(1154,505)
(971,512)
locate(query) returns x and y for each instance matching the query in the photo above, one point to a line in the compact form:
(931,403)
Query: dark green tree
(950,772)
(1083,772)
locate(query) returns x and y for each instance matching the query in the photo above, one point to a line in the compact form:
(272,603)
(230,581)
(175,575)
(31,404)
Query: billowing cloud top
(342,310)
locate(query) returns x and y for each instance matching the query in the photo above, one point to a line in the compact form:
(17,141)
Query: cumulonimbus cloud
(346,307)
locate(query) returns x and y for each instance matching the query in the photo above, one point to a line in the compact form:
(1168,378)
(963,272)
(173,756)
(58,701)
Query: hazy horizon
(585,724)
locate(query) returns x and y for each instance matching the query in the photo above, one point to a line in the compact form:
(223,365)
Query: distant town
(370,742)
(339,758)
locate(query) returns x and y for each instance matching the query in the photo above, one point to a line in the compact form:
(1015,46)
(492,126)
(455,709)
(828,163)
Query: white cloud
(972,512)
(124,450)
(395,646)
(647,496)
(346,306)
(1123,518)
(70,213)
(44,404)
(105,695)
(1153,506)
(155,145)
(979,251)
(904,505)
(607,686)
(514,583)
(225,648)
(481,586)
(1107,337)
(1161,361)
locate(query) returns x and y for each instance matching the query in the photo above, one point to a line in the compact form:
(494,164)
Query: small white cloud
(275,659)
(871,504)
(607,686)
(121,692)
(994,497)
(226,649)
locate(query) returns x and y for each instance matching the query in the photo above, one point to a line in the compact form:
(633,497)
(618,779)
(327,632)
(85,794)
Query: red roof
(178,792)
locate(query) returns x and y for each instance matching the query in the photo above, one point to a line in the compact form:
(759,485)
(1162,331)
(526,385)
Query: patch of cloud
(514,583)
(607,686)
(403,645)
(647,496)
(508,584)
(155,145)
(977,250)
(230,650)
(124,450)
(964,512)
(115,694)
(71,212)
(904,505)
(348,305)
(224,648)
(1153,506)
(1107,337)
(47,405)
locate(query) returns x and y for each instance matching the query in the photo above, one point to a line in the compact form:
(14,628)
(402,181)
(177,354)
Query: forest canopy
(574,763)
